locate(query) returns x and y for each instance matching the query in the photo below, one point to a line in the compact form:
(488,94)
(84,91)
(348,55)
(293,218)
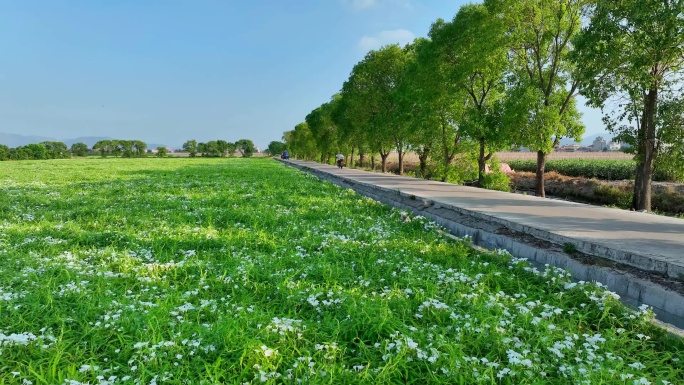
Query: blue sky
(165,71)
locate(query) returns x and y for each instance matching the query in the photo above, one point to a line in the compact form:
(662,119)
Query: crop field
(244,271)
(605,169)
(412,158)
(509,156)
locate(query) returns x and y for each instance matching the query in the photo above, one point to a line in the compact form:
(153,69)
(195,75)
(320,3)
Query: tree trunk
(446,151)
(384,161)
(401,162)
(646,154)
(448,158)
(422,157)
(373,162)
(481,163)
(447,161)
(351,161)
(541,163)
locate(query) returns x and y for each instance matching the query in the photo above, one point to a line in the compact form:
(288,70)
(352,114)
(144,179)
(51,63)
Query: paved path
(651,237)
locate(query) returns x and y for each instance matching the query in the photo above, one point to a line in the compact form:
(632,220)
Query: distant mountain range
(16,140)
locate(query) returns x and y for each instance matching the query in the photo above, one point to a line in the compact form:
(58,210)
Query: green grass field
(239,271)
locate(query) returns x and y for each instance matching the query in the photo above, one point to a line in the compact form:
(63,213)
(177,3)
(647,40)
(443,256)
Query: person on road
(340,160)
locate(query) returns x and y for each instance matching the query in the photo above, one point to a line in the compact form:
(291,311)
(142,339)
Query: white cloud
(401,36)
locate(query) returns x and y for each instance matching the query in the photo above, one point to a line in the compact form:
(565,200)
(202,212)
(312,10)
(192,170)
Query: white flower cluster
(285,326)
(17,338)
(404,345)
(8,295)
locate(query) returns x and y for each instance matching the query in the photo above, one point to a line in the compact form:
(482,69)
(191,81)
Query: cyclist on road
(340,160)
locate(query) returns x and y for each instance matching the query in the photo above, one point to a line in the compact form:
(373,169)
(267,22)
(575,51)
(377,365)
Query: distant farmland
(412,158)
(503,156)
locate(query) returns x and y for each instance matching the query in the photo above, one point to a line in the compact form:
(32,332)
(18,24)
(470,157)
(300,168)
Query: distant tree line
(122,148)
(506,73)
(59,150)
(219,148)
(43,150)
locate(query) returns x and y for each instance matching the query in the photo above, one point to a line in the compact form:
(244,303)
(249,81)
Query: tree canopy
(245,147)
(629,62)
(276,147)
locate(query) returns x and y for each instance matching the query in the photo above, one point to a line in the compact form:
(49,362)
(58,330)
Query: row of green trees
(122,148)
(219,148)
(59,150)
(44,150)
(507,73)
